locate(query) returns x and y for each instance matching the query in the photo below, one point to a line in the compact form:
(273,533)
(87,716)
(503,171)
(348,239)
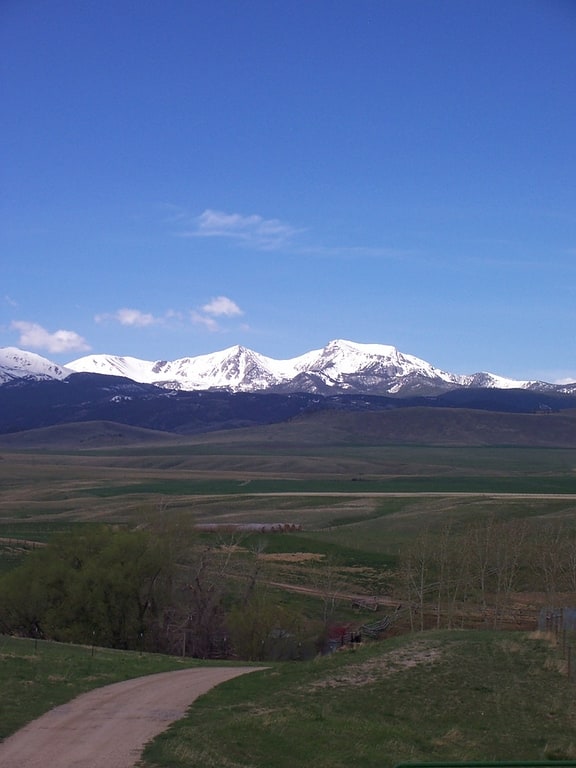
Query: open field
(345,487)
(358,502)
(433,696)
(359,506)
(367,496)
(231,474)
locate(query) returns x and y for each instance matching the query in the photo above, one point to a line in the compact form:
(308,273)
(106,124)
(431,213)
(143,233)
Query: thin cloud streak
(208,323)
(252,230)
(264,234)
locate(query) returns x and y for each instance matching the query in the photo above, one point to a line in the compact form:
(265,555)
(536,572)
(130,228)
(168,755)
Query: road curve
(108,727)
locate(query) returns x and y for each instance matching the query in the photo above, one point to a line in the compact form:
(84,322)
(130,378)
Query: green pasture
(216,477)
(553,484)
(353,522)
(38,531)
(438,696)
(239,469)
(401,458)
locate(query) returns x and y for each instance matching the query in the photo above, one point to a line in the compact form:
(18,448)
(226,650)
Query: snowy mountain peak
(17,364)
(343,346)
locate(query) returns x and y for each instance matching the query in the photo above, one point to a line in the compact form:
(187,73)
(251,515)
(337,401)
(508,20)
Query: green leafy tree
(97,585)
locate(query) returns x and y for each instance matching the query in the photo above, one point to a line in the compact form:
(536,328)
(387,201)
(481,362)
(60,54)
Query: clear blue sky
(181,176)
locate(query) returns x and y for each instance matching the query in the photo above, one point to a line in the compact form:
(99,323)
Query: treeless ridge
(108,727)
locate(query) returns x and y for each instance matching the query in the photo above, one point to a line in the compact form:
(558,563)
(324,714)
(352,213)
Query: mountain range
(341,367)
(241,388)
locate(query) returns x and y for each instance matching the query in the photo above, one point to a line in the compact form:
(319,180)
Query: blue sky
(181,176)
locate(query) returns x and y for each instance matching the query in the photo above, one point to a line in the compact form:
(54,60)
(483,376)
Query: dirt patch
(292,557)
(375,669)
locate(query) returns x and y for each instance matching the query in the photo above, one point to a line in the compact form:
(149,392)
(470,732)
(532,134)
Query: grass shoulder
(36,676)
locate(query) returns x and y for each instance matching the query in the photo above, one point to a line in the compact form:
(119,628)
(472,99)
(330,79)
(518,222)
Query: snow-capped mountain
(368,368)
(17,364)
(237,369)
(341,367)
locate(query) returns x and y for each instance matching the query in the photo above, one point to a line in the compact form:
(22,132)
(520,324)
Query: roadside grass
(552,484)
(435,696)
(427,697)
(36,676)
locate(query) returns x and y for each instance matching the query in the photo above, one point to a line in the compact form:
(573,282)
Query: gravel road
(108,727)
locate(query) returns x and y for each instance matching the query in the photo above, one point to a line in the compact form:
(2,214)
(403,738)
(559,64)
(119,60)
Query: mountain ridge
(27,403)
(340,367)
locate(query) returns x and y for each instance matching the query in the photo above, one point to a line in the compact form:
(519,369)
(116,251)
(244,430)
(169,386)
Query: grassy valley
(384,521)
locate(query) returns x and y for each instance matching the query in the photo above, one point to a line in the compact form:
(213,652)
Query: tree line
(164,587)
(445,575)
(160,588)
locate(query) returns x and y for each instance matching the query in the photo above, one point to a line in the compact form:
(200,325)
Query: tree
(94,585)
(262,629)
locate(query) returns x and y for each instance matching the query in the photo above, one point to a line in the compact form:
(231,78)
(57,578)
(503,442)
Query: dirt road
(108,727)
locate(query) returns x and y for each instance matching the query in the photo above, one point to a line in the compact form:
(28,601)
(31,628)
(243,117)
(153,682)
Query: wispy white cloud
(10,301)
(207,315)
(34,336)
(253,230)
(222,306)
(130,317)
(174,314)
(263,234)
(197,318)
(218,307)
